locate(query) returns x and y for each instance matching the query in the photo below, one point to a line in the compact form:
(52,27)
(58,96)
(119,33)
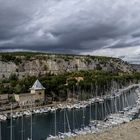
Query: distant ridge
(39,63)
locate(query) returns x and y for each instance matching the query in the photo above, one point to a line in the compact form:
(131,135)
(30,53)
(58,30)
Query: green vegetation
(58,86)
(10,58)
(18,56)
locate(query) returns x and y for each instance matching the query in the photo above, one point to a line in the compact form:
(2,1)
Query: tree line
(92,83)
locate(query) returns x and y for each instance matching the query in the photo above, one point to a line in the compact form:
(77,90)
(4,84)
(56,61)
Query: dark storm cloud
(72,26)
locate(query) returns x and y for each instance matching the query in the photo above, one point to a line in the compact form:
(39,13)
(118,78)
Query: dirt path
(129,131)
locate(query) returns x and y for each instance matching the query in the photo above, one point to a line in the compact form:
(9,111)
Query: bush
(13,77)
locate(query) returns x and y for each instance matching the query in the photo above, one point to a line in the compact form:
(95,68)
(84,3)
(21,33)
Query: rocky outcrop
(42,64)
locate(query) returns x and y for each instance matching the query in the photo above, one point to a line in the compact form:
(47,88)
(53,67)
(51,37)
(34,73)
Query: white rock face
(59,64)
(6,68)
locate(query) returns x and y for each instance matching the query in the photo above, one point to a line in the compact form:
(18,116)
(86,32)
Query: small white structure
(37,87)
(37,94)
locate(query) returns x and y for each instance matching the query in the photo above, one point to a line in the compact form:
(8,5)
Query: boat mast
(73,114)
(126,100)
(105,111)
(55,123)
(115,104)
(83,113)
(64,122)
(102,107)
(112,97)
(105,105)
(90,112)
(31,122)
(123,100)
(119,102)
(22,125)
(112,101)
(11,123)
(0,131)
(96,107)
(68,122)
(90,107)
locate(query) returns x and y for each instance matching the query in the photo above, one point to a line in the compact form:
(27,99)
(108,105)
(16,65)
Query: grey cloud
(71,26)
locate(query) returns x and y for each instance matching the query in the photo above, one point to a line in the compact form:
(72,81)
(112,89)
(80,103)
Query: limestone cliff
(39,64)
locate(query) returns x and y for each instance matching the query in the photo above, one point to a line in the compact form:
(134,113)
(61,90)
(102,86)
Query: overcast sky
(98,27)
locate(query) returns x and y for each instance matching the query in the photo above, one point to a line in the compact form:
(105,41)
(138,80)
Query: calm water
(43,125)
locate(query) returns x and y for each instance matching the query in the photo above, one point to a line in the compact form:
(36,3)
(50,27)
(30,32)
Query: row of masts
(22,126)
(124,103)
(104,113)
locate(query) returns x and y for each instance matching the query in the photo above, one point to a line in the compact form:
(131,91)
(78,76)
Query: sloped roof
(37,85)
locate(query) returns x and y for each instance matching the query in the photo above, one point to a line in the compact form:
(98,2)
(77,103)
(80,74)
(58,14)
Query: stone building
(36,95)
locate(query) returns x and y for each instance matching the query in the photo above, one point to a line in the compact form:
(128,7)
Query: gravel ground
(129,131)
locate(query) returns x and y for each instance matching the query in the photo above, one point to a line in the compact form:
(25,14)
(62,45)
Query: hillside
(23,64)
